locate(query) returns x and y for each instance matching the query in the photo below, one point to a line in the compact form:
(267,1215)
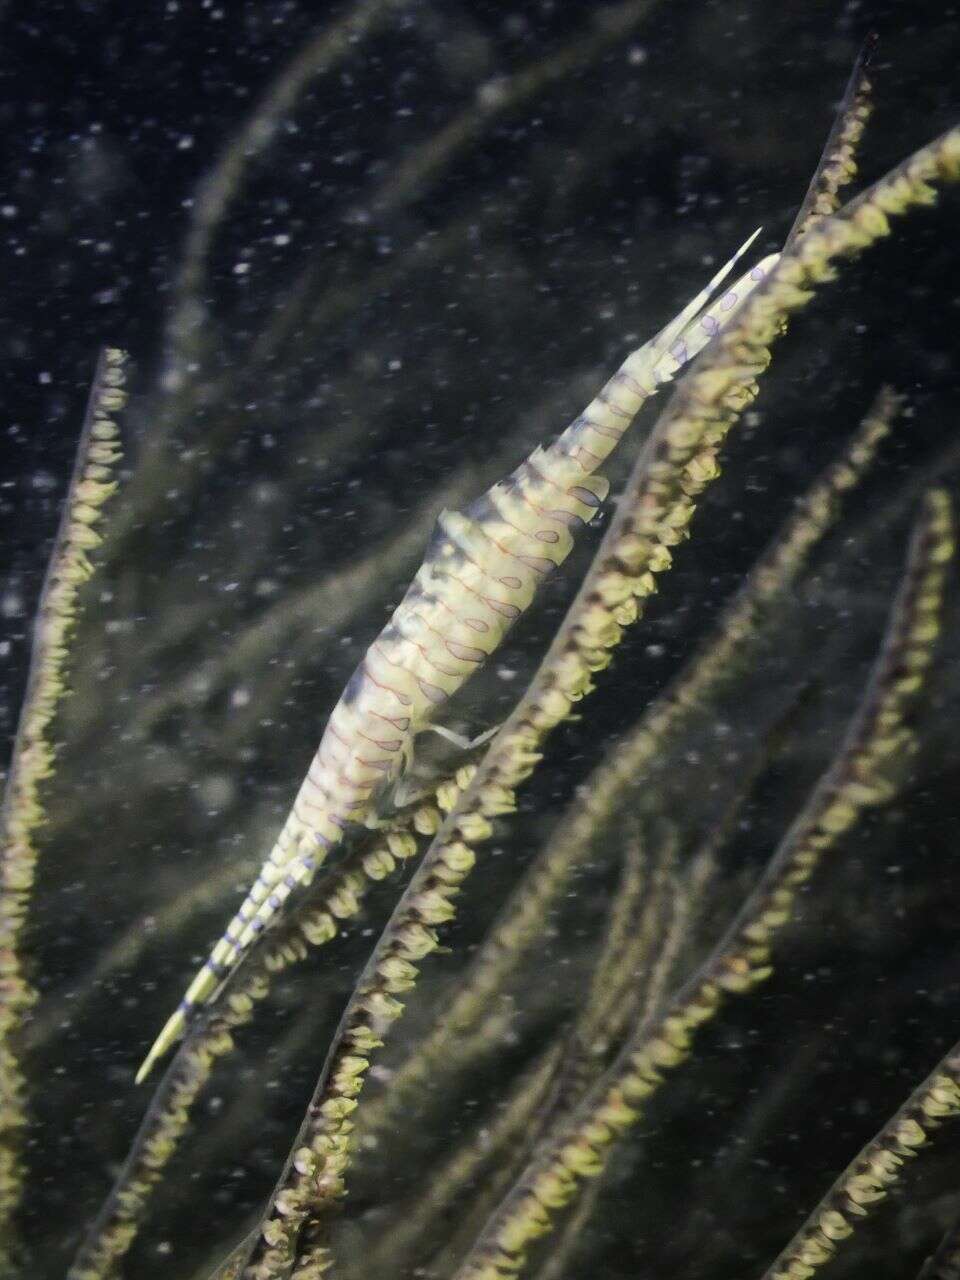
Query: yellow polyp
(509,1265)
(400,974)
(873,220)
(834,1225)
(220,1043)
(702,470)
(596,1134)
(672,536)
(645,585)
(534,1212)
(634,551)
(626,615)
(554,706)
(458,857)
(433,907)
(554,1188)
(414,941)
(704,1005)
(772,920)
(382,1006)
(910,1134)
(581,1160)
(675,1031)
(885,1165)
(735,981)
(521,765)
(639,1086)
(616,1112)
(338,1108)
(568,674)
(838,817)
(908,684)
(257,986)
(861,793)
(427,820)
(683,434)
(273,1232)
(305,1161)
(679,514)
(474,827)
(945,1092)
(862,1189)
(363,1039)
(465,775)
(815,1252)
(710,385)
(665,1054)
(515,1236)
(446,878)
(347,1087)
(448,793)
(286,1203)
(596,623)
(379,864)
(498,800)
(613,587)
(800,1271)
(594,660)
(318,929)
(789,269)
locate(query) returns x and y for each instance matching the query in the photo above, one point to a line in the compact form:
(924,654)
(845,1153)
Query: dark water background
(368,341)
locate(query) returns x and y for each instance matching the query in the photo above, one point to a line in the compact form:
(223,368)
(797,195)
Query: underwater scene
(462,821)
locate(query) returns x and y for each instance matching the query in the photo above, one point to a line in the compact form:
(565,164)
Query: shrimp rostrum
(481,572)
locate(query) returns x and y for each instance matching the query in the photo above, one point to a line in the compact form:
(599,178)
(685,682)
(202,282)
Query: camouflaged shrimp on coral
(551,961)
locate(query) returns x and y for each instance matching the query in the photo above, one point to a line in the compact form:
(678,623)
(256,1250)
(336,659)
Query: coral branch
(22,814)
(860,776)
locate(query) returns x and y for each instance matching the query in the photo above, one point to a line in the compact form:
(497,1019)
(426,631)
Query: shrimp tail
(261,906)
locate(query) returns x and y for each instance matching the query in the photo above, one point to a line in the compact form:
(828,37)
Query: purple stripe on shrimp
(503,607)
(432,691)
(586,496)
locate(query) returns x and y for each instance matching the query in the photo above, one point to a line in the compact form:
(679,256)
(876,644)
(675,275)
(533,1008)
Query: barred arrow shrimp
(480,573)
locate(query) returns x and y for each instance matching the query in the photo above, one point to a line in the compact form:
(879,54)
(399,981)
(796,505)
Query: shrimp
(480,573)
